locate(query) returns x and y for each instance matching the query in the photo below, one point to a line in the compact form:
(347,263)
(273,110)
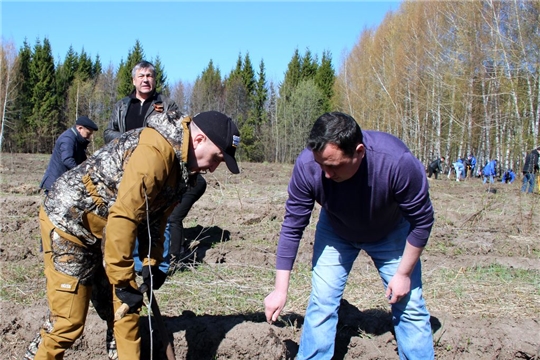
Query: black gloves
(128,295)
(157,275)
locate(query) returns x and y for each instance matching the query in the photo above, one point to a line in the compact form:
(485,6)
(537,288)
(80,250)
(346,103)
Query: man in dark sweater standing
(530,168)
(374,197)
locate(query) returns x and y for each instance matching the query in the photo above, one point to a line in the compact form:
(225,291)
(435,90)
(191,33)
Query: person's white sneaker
(110,343)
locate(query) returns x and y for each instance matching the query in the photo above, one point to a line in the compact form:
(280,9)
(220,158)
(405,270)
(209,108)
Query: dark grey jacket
(117,123)
(531,162)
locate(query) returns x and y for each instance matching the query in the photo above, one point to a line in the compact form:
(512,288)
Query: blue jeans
(491,181)
(460,170)
(333,258)
(528,179)
(163,266)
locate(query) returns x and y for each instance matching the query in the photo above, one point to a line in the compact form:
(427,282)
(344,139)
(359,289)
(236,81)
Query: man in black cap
(94,212)
(69,150)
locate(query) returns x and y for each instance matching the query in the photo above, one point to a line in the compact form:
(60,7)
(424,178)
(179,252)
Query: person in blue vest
(489,171)
(69,151)
(508,177)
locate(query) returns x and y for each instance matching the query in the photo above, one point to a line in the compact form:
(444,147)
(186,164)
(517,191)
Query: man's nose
(328,174)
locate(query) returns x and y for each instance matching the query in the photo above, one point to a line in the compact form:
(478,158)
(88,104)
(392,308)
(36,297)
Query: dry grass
(482,258)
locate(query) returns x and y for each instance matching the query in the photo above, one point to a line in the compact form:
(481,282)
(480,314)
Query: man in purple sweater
(374,197)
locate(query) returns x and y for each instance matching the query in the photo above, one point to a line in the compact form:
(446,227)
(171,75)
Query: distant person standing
(471,161)
(435,167)
(530,168)
(132,111)
(69,150)
(489,171)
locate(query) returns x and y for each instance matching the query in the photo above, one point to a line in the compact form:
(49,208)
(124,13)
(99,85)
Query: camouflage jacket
(133,181)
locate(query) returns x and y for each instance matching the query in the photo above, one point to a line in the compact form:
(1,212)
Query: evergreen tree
(308,66)
(161,78)
(248,75)
(85,68)
(66,71)
(125,78)
(44,120)
(207,91)
(252,145)
(237,72)
(23,101)
(65,74)
(324,79)
(260,96)
(292,76)
(97,68)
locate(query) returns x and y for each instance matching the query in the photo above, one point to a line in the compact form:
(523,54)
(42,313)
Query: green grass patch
(21,283)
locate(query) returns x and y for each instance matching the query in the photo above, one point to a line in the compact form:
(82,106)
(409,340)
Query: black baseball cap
(222,131)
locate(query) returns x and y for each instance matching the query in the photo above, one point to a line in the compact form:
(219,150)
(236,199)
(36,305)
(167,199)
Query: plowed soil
(481,274)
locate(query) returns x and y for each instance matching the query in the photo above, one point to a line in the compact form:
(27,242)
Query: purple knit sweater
(390,184)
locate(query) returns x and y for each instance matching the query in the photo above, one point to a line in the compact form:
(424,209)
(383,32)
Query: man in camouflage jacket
(106,202)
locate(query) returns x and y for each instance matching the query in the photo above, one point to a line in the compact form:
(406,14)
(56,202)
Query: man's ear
(361,150)
(198,140)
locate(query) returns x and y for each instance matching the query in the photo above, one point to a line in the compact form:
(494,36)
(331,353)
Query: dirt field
(481,274)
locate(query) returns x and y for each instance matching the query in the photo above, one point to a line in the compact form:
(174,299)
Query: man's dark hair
(336,128)
(143,65)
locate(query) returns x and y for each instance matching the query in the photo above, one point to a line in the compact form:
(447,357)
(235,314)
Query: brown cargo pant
(69,270)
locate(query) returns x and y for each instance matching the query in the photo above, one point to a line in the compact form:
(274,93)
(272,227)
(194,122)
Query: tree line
(448,78)
(41,99)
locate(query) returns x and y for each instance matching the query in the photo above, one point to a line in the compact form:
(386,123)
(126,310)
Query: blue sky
(187,35)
